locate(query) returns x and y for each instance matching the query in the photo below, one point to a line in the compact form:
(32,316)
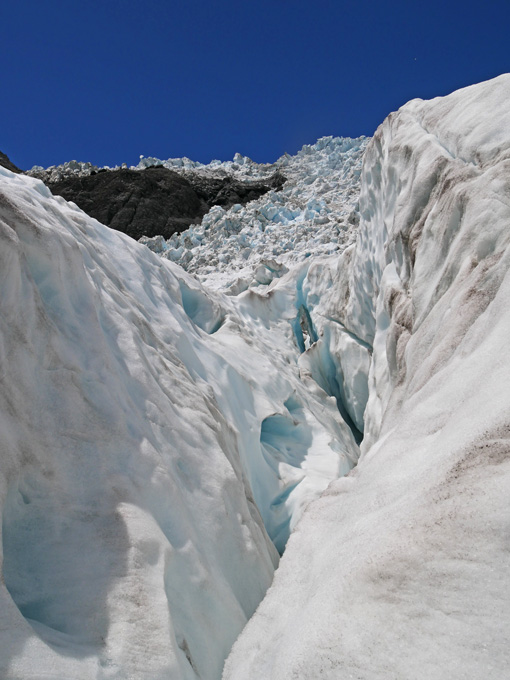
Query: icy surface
(158,441)
(315,213)
(401,569)
(160,438)
(55,173)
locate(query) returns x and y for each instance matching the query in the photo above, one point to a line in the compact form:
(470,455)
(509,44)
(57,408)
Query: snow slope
(401,569)
(155,437)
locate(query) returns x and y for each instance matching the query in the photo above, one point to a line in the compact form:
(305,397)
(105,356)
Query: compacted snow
(164,431)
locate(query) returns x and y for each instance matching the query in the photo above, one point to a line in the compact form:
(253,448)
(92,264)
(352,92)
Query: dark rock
(156,200)
(137,202)
(6,163)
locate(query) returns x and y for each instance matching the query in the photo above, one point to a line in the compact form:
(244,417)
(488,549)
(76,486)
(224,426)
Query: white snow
(401,569)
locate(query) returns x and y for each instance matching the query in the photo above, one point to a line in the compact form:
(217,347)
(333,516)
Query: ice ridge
(400,569)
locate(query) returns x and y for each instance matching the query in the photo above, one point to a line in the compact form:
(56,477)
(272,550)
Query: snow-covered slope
(401,569)
(154,438)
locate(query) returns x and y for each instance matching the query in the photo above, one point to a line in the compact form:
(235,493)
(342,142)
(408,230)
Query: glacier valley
(276,445)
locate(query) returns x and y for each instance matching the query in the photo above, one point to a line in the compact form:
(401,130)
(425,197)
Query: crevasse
(399,570)
(162,439)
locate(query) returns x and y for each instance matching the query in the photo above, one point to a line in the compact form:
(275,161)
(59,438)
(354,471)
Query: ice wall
(400,570)
(130,545)
(160,441)
(157,444)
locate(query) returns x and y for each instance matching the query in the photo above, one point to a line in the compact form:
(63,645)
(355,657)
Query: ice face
(160,440)
(315,213)
(400,569)
(114,447)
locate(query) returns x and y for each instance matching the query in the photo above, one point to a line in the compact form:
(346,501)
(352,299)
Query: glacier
(313,383)
(314,213)
(159,446)
(400,569)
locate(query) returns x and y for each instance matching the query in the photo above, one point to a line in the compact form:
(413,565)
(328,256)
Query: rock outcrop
(7,163)
(156,201)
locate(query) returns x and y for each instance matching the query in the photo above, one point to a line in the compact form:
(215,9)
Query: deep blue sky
(108,80)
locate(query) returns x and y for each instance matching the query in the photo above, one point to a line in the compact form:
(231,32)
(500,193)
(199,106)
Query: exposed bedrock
(7,163)
(156,201)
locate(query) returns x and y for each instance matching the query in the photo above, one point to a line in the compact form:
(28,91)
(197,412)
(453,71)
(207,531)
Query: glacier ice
(164,431)
(158,443)
(400,569)
(314,214)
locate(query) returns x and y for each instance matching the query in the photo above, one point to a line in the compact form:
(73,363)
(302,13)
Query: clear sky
(108,80)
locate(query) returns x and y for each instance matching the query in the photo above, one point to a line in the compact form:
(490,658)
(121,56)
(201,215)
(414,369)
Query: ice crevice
(204,312)
(185,438)
(306,434)
(166,439)
(323,362)
(408,555)
(285,440)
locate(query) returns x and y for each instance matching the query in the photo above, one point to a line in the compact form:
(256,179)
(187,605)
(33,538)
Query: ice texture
(315,213)
(158,446)
(164,431)
(400,569)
